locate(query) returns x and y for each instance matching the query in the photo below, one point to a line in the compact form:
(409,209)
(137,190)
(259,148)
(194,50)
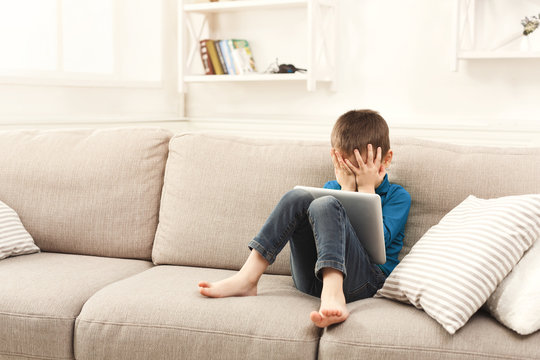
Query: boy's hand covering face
(344,174)
(370,173)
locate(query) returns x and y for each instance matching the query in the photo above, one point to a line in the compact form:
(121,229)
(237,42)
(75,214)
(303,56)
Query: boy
(327,259)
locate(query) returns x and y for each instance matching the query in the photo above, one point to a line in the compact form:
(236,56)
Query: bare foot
(333,310)
(236,285)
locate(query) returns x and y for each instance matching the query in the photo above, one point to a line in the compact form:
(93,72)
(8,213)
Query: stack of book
(227,57)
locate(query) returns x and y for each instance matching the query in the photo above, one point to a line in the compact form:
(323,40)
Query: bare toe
(331,312)
(204,291)
(315,317)
(204,284)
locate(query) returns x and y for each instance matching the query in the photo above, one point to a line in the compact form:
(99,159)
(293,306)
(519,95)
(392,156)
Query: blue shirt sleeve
(395,213)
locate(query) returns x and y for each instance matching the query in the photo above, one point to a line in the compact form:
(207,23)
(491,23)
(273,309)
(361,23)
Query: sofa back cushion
(86,191)
(219,190)
(439,176)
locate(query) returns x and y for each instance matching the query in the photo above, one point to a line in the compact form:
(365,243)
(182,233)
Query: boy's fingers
(359,158)
(351,166)
(379,156)
(344,166)
(369,154)
(335,160)
(333,156)
(339,157)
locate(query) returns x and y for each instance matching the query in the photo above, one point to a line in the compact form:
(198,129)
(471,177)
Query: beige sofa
(129,219)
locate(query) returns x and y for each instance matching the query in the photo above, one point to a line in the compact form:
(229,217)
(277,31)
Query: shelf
(198,21)
(469,38)
(247,77)
(224,6)
(498,55)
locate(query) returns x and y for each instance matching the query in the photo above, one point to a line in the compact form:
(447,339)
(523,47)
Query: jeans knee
(296,196)
(323,204)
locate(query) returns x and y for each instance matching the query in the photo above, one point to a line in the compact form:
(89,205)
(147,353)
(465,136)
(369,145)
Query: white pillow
(516,302)
(14,239)
(453,269)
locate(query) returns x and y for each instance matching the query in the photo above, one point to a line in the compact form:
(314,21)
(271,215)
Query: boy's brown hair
(357,128)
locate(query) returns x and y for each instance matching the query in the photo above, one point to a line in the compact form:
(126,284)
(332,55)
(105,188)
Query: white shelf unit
(464,20)
(321,40)
(239,5)
(248,77)
(470,55)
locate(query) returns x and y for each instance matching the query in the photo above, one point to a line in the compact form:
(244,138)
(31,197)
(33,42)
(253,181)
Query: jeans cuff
(270,257)
(329,264)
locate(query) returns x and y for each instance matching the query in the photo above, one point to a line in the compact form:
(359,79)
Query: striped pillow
(14,239)
(454,268)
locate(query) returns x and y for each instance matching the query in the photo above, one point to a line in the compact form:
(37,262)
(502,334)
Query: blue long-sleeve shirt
(396,202)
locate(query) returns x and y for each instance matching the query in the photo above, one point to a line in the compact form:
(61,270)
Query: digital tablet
(365,214)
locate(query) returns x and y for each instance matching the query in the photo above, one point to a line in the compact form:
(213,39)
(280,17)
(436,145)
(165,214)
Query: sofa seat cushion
(385,329)
(159,314)
(41,294)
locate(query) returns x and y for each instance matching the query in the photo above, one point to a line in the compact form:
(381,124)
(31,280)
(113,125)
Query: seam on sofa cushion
(41,317)
(424,349)
(34,356)
(464,149)
(37,316)
(260,142)
(162,201)
(198,330)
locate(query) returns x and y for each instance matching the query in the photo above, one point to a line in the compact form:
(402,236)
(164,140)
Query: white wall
(52,103)
(394,56)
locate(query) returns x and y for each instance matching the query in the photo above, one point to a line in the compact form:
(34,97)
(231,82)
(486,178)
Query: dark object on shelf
(289,68)
(277,68)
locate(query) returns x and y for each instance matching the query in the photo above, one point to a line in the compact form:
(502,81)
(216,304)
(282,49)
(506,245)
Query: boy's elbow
(405,199)
(408,200)
(406,196)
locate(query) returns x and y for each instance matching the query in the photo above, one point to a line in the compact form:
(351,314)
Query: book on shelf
(214,59)
(221,58)
(229,57)
(245,54)
(205,57)
(237,61)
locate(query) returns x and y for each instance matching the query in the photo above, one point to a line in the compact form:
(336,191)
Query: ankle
(247,278)
(253,268)
(330,293)
(332,284)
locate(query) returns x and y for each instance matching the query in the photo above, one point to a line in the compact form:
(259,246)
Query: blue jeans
(320,236)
